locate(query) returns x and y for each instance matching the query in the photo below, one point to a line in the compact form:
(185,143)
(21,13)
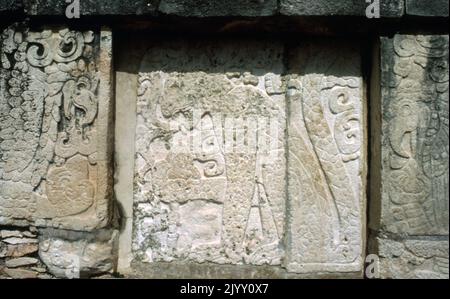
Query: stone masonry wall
(224,139)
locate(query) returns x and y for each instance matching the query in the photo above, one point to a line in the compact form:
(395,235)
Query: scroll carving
(50,105)
(415,156)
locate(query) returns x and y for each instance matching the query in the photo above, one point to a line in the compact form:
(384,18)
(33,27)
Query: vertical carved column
(326,159)
(56,128)
(55,103)
(412,229)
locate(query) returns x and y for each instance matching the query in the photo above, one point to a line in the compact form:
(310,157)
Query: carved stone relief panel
(326,158)
(210,160)
(55,113)
(241,161)
(415,148)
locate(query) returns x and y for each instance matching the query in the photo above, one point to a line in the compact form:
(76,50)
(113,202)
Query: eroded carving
(325,161)
(415,145)
(198,196)
(49,105)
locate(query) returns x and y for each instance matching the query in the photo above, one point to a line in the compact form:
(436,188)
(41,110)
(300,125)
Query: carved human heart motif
(69,189)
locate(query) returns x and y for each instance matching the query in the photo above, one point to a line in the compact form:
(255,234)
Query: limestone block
(55,117)
(78,255)
(413,259)
(415,146)
(92,7)
(429,8)
(210,158)
(229,168)
(326,158)
(210,8)
(9,5)
(388,8)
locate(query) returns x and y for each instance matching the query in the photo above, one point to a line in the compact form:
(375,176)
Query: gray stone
(20,262)
(413,259)
(10,5)
(388,8)
(211,8)
(55,138)
(29,234)
(410,215)
(415,146)
(326,159)
(428,8)
(78,255)
(92,7)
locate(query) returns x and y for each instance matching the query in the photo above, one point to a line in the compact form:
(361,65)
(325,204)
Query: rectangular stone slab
(221,196)
(415,258)
(429,8)
(326,158)
(55,123)
(388,8)
(415,147)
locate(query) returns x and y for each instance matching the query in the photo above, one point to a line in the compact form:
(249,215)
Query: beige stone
(210,161)
(228,204)
(18,250)
(326,159)
(20,273)
(55,138)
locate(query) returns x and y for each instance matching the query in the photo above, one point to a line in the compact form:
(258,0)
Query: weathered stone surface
(415,146)
(187,8)
(78,255)
(203,190)
(10,233)
(92,7)
(409,217)
(210,8)
(413,259)
(18,250)
(428,8)
(15,241)
(55,129)
(326,159)
(227,204)
(388,8)
(20,262)
(20,273)
(10,5)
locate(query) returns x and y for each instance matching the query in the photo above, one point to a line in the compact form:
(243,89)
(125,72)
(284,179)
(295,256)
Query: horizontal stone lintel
(219,8)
